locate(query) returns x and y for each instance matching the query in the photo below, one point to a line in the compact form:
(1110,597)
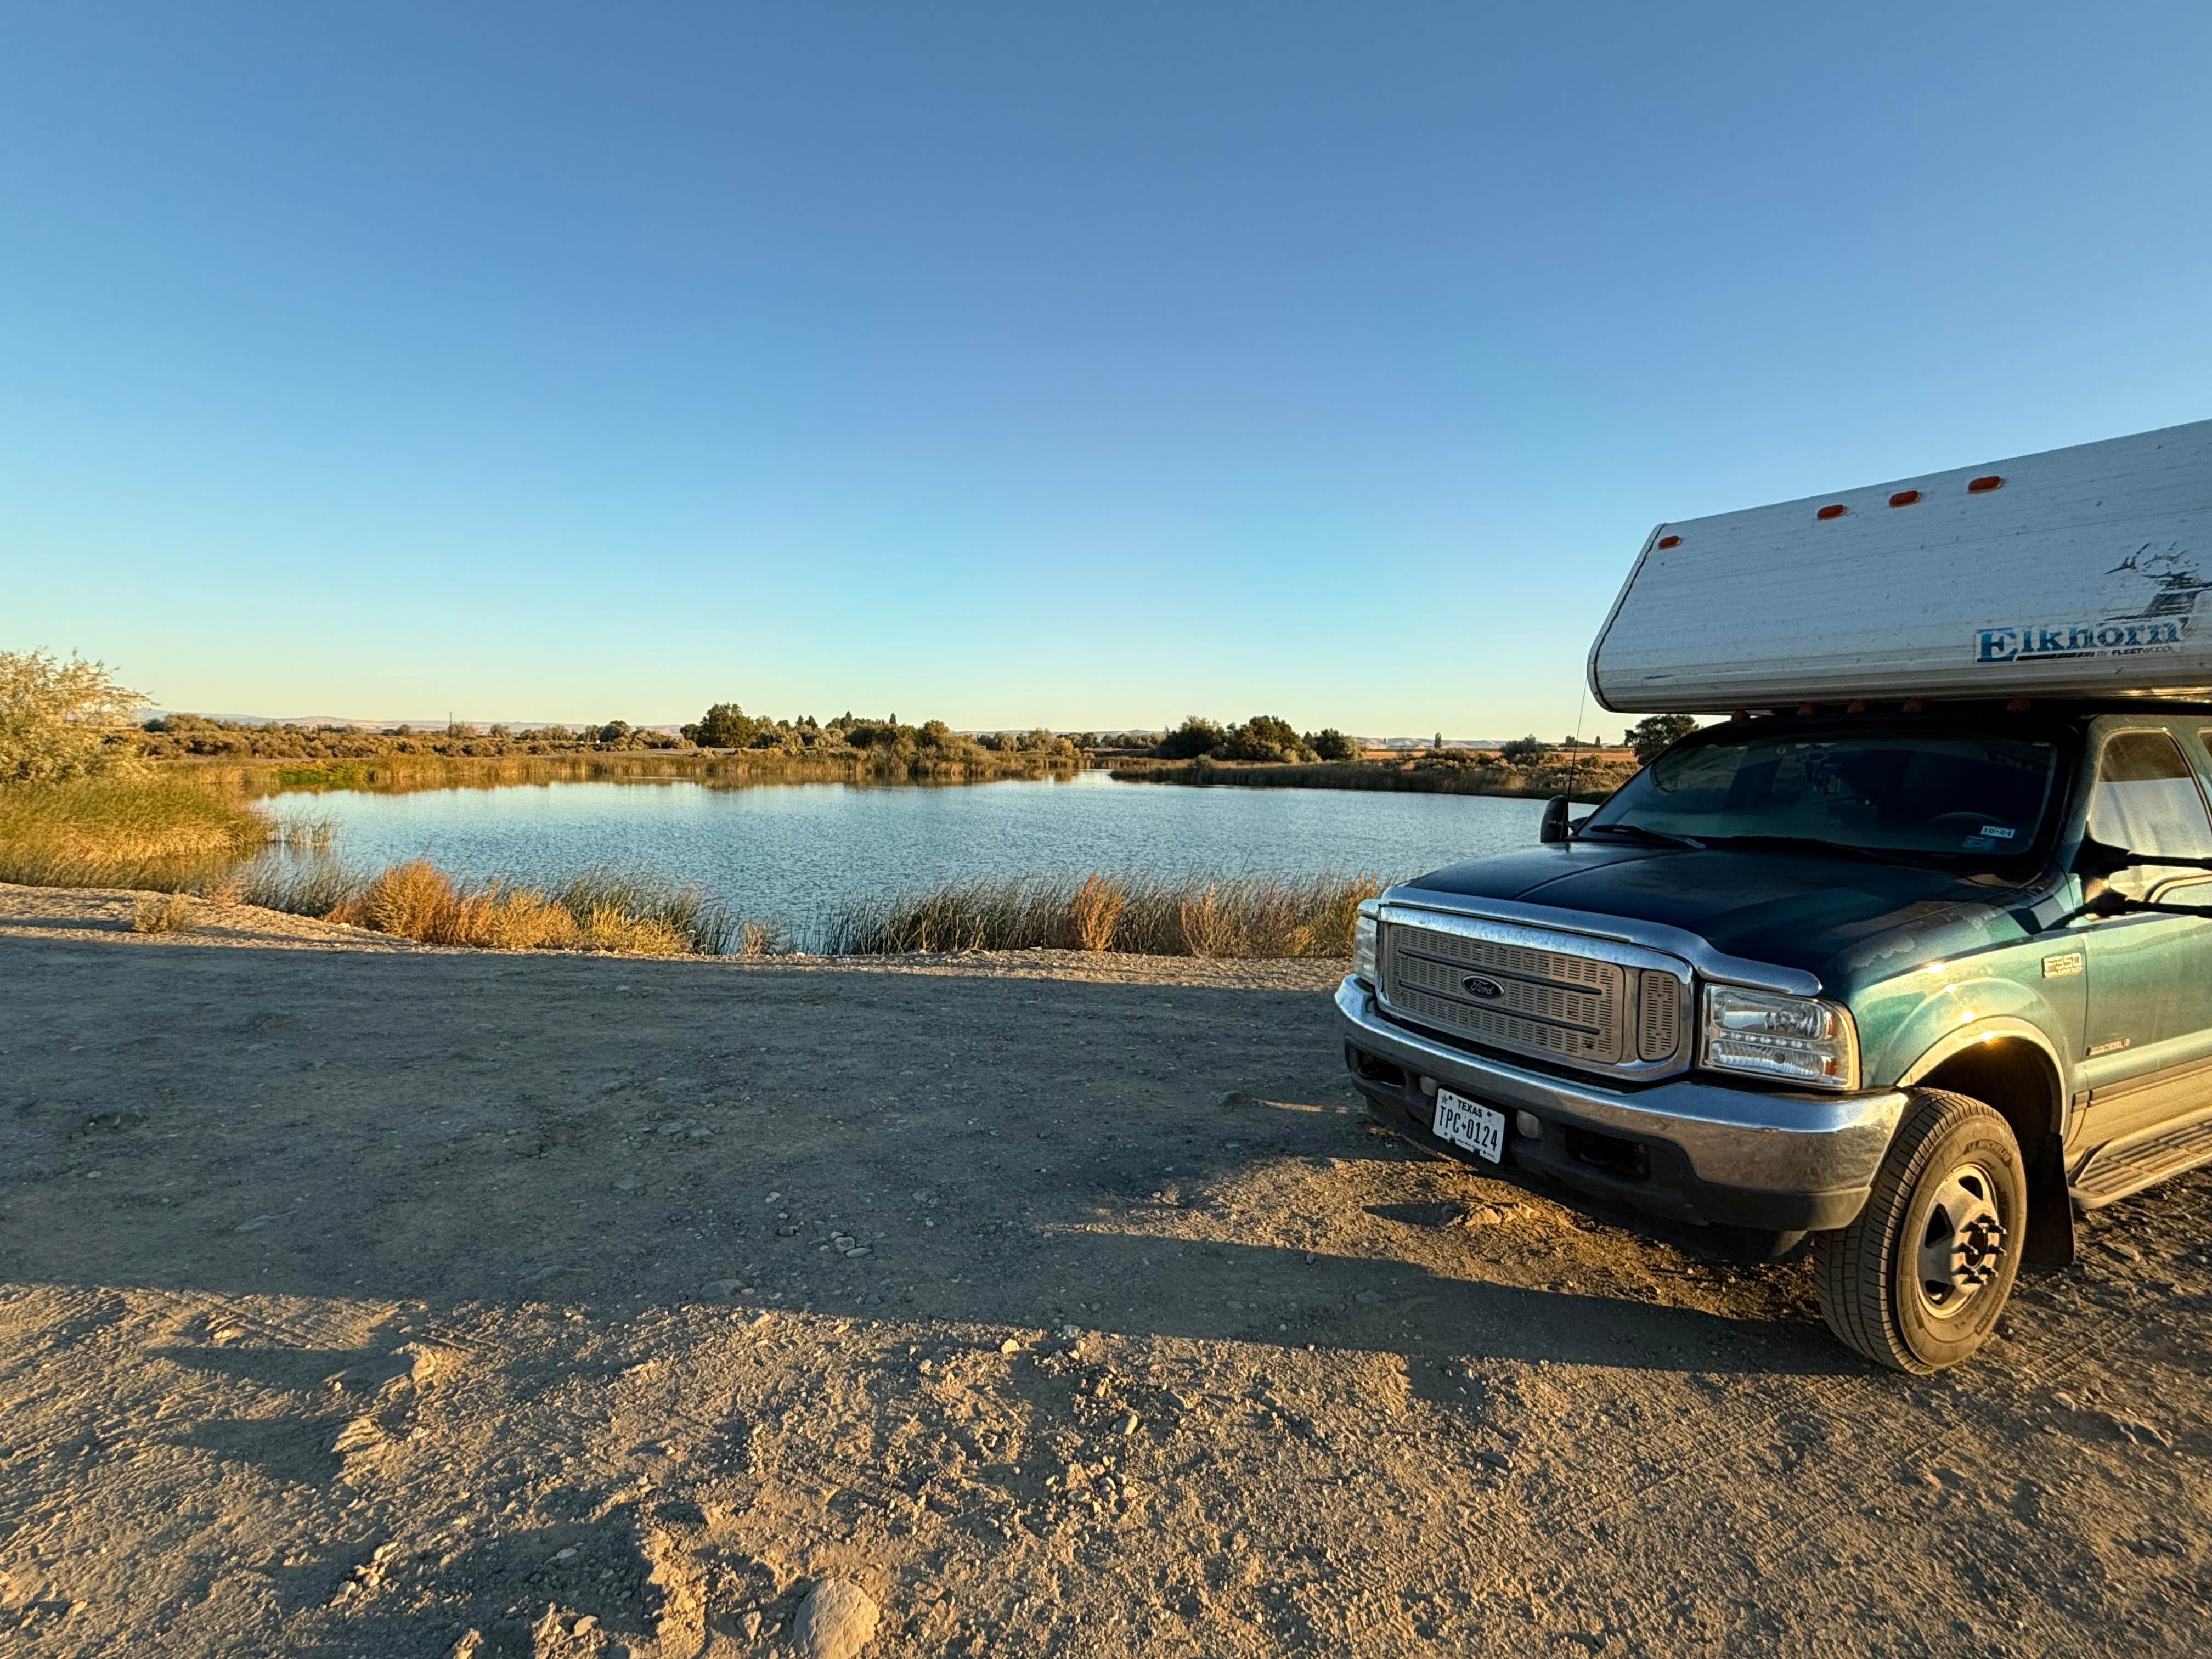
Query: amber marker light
(1834,511)
(1904,498)
(1983,485)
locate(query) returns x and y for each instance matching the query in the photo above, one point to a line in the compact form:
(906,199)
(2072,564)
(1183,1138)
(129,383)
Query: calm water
(793,853)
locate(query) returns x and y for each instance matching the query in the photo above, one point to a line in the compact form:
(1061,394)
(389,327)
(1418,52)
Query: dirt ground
(357,1298)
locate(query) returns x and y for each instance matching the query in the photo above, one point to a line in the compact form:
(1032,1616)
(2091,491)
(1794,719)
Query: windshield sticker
(1999,832)
(2137,621)
(1978,844)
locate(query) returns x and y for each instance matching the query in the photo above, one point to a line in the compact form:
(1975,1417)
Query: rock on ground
(835,1622)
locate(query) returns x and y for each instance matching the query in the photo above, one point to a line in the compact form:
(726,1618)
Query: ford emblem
(1476,986)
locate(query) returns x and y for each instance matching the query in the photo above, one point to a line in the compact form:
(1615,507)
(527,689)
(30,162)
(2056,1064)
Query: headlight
(1363,945)
(1800,1040)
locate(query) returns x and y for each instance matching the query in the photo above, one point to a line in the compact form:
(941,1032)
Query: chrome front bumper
(1736,1141)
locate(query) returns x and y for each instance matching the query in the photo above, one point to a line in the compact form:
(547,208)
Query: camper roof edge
(2073,573)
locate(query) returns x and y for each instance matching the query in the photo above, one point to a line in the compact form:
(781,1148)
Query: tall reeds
(1158,915)
(127,831)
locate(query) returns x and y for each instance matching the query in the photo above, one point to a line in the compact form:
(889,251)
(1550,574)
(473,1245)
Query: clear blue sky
(1079,365)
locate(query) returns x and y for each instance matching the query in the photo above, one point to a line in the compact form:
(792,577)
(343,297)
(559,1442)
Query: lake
(793,853)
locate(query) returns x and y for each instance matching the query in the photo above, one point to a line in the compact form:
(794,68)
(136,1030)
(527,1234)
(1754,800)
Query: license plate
(1471,1124)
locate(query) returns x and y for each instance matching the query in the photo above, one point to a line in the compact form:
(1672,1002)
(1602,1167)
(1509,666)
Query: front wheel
(1917,1281)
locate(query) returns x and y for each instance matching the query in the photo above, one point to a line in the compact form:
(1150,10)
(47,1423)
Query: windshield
(1918,793)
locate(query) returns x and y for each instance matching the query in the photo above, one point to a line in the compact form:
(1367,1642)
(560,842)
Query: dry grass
(317,887)
(132,831)
(1192,916)
(598,911)
(759,938)
(163,913)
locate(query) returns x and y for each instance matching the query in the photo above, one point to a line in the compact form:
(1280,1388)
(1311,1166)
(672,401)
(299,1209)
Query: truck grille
(1659,1005)
(1493,987)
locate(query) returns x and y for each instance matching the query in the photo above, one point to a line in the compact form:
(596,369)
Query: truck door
(2148,1037)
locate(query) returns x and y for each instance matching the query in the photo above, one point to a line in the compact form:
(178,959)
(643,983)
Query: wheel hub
(1961,1242)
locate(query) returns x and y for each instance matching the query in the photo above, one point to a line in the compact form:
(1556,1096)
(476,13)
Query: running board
(2119,1169)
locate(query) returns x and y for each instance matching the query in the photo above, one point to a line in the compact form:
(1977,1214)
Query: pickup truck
(1905,978)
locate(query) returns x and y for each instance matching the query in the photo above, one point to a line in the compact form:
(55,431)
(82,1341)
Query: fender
(1995,1026)
(1911,1024)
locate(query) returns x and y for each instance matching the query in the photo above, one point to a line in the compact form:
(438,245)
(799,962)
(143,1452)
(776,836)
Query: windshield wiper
(1654,837)
(1839,848)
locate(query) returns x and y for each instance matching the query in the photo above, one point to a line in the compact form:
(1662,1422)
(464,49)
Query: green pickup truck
(1910,980)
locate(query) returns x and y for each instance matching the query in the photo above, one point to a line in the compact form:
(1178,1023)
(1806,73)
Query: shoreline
(103,915)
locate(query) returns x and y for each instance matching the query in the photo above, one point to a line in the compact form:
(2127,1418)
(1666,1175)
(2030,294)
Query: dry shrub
(608,928)
(759,938)
(162,913)
(414,899)
(418,900)
(1207,928)
(1093,911)
(516,919)
(228,888)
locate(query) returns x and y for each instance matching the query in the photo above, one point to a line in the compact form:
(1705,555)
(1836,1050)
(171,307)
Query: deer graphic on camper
(2176,585)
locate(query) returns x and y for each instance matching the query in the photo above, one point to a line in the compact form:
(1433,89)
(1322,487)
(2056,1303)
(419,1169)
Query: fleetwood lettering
(2035,644)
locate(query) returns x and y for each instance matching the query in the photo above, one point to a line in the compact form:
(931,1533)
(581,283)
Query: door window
(2147,800)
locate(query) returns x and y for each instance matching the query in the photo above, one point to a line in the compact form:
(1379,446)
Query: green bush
(1330,744)
(1196,736)
(724,725)
(1263,737)
(61,719)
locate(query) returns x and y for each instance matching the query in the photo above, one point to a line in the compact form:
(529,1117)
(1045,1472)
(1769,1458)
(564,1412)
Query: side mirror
(1555,826)
(2099,861)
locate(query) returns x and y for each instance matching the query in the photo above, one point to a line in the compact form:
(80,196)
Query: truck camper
(1905,958)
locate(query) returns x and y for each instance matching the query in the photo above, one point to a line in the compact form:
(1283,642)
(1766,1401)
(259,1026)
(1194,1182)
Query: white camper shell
(2078,573)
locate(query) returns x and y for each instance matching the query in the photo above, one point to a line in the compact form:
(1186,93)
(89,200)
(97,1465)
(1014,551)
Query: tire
(1916,1283)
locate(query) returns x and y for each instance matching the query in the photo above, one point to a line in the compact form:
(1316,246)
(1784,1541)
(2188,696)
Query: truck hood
(1840,918)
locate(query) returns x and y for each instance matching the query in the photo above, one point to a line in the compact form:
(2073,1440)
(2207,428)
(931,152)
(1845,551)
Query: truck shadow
(959,1143)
